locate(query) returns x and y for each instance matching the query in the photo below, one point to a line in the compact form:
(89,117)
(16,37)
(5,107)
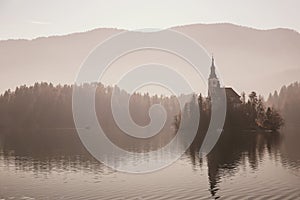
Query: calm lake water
(248,165)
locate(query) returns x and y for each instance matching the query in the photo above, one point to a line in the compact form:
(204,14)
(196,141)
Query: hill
(248,59)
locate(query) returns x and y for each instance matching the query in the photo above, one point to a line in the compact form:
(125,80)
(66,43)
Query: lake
(243,165)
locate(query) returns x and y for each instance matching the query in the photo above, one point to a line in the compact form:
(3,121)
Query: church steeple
(213,81)
(212,69)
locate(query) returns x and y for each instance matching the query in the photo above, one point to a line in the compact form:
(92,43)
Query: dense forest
(43,113)
(287,102)
(250,114)
(46,106)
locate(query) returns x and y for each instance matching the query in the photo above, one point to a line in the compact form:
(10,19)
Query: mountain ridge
(172,27)
(248,59)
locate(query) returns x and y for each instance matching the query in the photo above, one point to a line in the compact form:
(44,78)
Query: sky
(35,18)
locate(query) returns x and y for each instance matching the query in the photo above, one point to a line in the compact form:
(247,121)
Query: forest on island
(251,114)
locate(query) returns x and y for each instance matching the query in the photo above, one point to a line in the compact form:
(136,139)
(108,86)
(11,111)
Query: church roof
(230,91)
(231,94)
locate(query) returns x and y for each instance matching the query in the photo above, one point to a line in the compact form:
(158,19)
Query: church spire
(213,81)
(212,68)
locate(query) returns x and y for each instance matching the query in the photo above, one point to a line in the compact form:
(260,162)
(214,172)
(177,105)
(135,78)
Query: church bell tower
(213,81)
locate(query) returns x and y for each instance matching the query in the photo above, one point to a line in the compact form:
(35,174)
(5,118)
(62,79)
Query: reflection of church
(214,86)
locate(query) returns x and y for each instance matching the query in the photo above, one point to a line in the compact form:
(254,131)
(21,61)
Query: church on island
(214,87)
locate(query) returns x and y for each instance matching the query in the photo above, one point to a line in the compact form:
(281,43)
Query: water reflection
(47,151)
(43,151)
(237,148)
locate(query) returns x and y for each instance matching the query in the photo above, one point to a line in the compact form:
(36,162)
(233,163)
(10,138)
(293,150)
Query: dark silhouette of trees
(47,107)
(248,114)
(41,105)
(272,120)
(287,102)
(39,115)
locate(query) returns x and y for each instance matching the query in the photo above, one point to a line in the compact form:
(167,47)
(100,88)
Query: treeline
(287,101)
(43,113)
(44,105)
(41,105)
(250,113)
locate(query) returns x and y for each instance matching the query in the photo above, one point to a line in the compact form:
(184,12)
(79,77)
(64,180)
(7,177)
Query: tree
(260,112)
(253,99)
(243,97)
(273,120)
(251,109)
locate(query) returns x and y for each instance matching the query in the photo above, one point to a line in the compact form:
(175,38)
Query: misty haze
(192,109)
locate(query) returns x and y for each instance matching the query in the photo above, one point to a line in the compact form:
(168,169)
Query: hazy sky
(34,18)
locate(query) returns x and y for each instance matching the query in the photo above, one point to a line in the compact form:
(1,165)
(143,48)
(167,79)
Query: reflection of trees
(42,153)
(46,150)
(45,165)
(44,141)
(233,149)
(236,146)
(290,149)
(287,102)
(47,107)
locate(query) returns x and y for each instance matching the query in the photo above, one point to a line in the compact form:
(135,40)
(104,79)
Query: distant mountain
(248,59)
